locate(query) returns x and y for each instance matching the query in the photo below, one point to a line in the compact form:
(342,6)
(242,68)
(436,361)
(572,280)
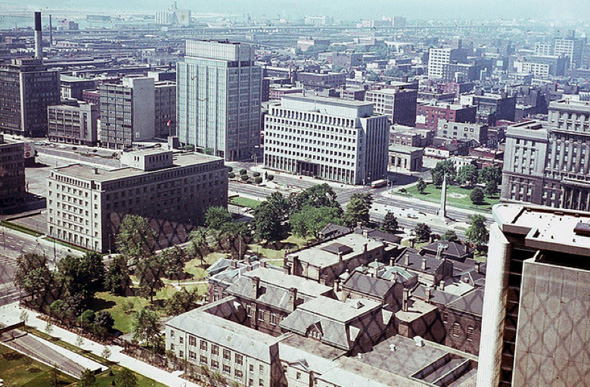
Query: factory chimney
(50,32)
(38,37)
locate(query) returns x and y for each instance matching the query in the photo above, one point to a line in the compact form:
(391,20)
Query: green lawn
(456,197)
(19,370)
(274,254)
(105,380)
(114,305)
(244,202)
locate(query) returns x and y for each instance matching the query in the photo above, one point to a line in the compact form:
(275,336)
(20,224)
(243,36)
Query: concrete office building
(536,314)
(571,48)
(462,131)
(73,124)
(548,163)
(73,87)
(27,88)
(127,112)
(165,108)
(398,103)
(491,107)
(12,172)
(460,72)
(219,97)
(86,205)
(333,139)
(430,113)
(438,57)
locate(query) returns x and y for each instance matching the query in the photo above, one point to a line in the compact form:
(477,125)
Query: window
(192,341)
(298,376)
(469,333)
(226,369)
(226,354)
(260,315)
(239,359)
(445,317)
(172,346)
(238,373)
(273,319)
(214,364)
(203,345)
(215,349)
(180,353)
(456,329)
(203,359)
(250,382)
(261,368)
(260,382)
(171,333)
(251,368)
(192,355)
(181,340)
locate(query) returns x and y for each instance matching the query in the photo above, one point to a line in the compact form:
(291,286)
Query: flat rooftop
(327,101)
(545,228)
(83,172)
(569,105)
(339,310)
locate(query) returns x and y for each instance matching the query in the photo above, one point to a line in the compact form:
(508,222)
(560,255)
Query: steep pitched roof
(368,285)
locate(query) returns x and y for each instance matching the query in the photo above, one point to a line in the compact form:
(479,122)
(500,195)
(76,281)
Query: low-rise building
(397,102)
(87,205)
(429,114)
(73,124)
(462,131)
(405,158)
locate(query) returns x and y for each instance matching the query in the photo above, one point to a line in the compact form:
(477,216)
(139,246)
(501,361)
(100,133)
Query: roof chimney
(423,263)
(340,256)
(428,294)
(441,284)
(255,287)
(405,297)
(407,260)
(292,298)
(38,37)
(478,267)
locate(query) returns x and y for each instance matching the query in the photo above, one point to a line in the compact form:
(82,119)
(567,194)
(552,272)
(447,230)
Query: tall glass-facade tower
(218,99)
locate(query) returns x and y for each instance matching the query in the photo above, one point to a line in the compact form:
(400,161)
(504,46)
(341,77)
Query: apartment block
(462,131)
(86,205)
(430,113)
(571,48)
(12,172)
(219,97)
(27,88)
(333,139)
(73,124)
(438,57)
(165,108)
(398,103)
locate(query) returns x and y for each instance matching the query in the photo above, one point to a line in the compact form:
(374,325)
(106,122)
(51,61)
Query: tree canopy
(357,210)
(217,218)
(467,174)
(319,195)
(117,280)
(390,223)
(477,196)
(311,220)
(146,328)
(477,233)
(422,231)
(136,238)
(270,217)
(441,168)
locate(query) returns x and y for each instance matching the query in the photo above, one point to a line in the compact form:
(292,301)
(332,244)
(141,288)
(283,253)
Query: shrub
(270,177)
(256,174)
(230,169)
(258,180)
(231,175)
(244,177)
(243,171)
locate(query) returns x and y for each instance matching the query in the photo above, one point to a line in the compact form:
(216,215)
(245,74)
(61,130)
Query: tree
(477,233)
(103,323)
(33,276)
(87,318)
(106,352)
(467,175)
(136,238)
(173,262)
(491,188)
(490,174)
(232,238)
(146,328)
(198,244)
(117,280)
(310,220)
(477,196)
(390,223)
(54,377)
(450,236)
(149,273)
(269,218)
(57,309)
(357,210)
(182,301)
(421,186)
(88,379)
(442,168)
(126,378)
(422,231)
(319,195)
(217,217)
(82,276)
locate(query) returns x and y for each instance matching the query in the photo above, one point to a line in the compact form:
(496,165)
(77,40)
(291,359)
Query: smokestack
(38,37)
(50,32)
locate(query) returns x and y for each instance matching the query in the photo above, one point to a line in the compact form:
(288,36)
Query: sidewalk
(11,314)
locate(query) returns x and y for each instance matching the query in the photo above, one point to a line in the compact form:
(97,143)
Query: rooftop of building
(368,285)
(406,149)
(570,105)
(415,311)
(543,228)
(327,101)
(84,172)
(471,302)
(325,254)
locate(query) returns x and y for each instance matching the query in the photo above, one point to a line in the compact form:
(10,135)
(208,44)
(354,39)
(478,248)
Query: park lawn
(199,272)
(201,288)
(114,305)
(244,202)
(105,380)
(273,254)
(19,370)
(456,197)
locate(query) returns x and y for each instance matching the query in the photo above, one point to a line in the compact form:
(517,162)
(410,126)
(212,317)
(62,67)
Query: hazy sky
(344,9)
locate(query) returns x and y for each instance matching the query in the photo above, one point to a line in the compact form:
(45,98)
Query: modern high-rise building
(127,112)
(571,48)
(536,312)
(398,102)
(333,139)
(548,163)
(86,205)
(438,57)
(165,108)
(27,88)
(218,99)
(12,172)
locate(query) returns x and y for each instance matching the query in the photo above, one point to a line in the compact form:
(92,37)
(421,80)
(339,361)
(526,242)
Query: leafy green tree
(421,186)
(269,218)
(422,231)
(87,318)
(491,188)
(117,280)
(88,379)
(147,327)
(319,195)
(450,236)
(467,174)
(477,196)
(490,174)
(149,273)
(136,238)
(390,223)
(57,309)
(311,220)
(217,217)
(103,323)
(173,260)
(440,169)
(95,264)
(182,301)
(198,244)
(34,277)
(126,378)
(477,233)
(232,238)
(357,210)
(82,276)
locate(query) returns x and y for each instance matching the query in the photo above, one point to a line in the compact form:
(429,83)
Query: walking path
(10,314)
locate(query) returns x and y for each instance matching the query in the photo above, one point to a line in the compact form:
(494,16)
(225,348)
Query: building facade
(27,88)
(333,139)
(431,113)
(403,158)
(86,205)
(571,48)
(398,103)
(165,108)
(127,112)
(12,172)
(73,124)
(462,131)
(218,99)
(438,57)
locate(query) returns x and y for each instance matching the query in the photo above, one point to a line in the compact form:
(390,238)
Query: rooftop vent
(582,229)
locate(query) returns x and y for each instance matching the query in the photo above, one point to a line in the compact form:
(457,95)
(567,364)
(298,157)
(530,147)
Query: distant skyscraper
(438,57)
(536,312)
(27,88)
(570,47)
(218,99)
